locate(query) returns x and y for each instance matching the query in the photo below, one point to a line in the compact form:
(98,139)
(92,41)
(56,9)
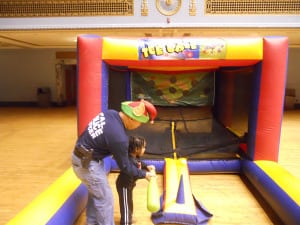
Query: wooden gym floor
(35,149)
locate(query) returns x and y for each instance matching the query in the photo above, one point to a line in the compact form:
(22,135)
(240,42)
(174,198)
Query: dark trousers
(125,203)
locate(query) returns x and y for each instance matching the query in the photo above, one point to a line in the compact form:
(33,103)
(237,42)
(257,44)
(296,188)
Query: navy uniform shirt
(106,135)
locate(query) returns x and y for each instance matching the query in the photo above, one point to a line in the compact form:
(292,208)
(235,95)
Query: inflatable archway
(267,55)
(267,58)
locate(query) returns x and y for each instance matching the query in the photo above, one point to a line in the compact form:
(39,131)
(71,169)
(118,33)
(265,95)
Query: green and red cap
(141,111)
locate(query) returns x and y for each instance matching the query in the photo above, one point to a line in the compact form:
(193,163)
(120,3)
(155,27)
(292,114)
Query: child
(125,183)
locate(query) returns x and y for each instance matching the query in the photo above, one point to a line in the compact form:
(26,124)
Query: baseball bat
(153,199)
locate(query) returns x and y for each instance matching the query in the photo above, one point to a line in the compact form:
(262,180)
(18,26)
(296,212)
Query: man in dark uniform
(106,135)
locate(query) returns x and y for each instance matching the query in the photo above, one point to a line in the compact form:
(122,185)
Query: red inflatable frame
(265,117)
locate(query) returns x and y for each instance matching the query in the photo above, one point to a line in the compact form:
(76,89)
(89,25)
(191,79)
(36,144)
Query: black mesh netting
(197,135)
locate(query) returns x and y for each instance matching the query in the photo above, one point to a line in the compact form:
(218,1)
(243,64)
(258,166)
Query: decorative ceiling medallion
(168,7)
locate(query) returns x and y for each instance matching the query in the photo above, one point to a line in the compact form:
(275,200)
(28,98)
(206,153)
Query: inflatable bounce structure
(220,107)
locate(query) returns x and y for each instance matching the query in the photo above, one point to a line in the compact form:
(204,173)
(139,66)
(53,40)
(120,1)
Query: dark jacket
(106,135)
(124,180)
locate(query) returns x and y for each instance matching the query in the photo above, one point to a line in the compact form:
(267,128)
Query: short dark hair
(136,142)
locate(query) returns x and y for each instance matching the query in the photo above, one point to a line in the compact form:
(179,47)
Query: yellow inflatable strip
(173,140)
(120,49)
(236,48)
(284,179)
(171,181)
(244,48)
(175,168)
(42,208)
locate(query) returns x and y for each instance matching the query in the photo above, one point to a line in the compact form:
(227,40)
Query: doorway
(71,85)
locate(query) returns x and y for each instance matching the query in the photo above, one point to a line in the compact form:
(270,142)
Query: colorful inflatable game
(219,99)
(224,97)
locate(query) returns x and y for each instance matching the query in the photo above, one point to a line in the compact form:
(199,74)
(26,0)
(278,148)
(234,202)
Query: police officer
(106,135)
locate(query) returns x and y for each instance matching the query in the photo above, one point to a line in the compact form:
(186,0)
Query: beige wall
(23,71)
